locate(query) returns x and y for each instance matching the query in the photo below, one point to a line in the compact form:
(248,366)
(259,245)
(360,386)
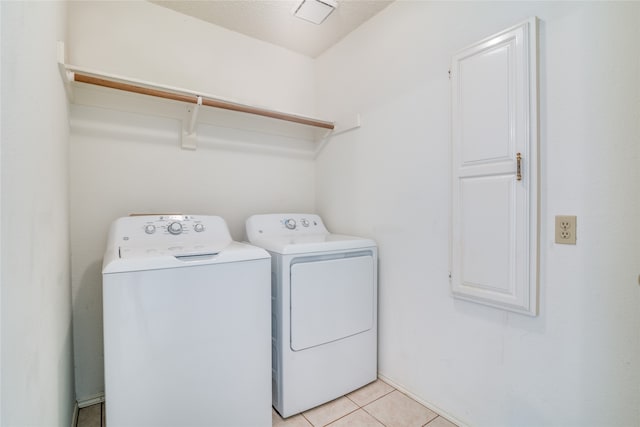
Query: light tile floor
(375,405)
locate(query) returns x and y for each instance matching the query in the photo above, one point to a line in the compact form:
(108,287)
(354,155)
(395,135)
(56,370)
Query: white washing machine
(186,325)
(324,309)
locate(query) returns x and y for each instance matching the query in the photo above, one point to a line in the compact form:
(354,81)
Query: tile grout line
(373,416)
(443,413)
(345,415)
(378,398)
(374,400)
(305,418)
(436,413)
(358,407)
(433,419)
(430,421)
(386,394)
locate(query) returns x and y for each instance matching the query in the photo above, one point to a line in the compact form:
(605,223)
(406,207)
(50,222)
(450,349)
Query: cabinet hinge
(449,74)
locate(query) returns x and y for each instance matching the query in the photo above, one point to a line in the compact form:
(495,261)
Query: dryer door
(331,299)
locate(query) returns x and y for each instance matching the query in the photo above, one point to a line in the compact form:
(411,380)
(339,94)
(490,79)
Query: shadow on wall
(87,331)
(66,374)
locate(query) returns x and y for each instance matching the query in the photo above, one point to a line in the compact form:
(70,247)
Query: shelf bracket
(345,124)
(189,136)
(67,76)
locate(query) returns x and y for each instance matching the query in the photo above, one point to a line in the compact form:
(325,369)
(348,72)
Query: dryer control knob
(290,223)
(174,228)
(304,222)
(199,228)
(149,228)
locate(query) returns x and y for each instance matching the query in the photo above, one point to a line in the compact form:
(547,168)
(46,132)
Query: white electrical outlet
(566,229)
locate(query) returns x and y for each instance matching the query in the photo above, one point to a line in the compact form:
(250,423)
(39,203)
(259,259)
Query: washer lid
(177,251)
(312,243)
(141,259)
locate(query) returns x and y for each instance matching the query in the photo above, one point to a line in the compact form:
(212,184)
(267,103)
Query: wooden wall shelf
(237,115)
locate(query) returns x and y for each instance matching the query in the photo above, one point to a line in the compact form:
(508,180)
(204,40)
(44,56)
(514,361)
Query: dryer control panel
(273,225)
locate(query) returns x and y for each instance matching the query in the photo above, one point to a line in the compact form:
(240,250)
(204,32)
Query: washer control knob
(290,223)
(174,228)
(304,222)
(199,228)
(149,228)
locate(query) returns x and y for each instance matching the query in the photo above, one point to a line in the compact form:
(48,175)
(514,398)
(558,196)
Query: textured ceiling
(272,20)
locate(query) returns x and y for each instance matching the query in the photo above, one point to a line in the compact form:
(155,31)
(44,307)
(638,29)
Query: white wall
(578,362)
(37,363)
(145,41)
(124,162)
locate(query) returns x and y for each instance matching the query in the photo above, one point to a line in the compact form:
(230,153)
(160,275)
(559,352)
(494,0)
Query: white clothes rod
(144,88)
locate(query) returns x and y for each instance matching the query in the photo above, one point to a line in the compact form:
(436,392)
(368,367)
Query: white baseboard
(91,400)
(74,416)
(434,408)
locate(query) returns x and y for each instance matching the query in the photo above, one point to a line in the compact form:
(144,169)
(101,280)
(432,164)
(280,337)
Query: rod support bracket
(67,75)
(189,136)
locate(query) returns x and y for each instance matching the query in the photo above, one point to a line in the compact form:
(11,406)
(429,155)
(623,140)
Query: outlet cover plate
(566,229)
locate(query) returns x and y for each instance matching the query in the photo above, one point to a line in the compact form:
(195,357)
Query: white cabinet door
(495,195)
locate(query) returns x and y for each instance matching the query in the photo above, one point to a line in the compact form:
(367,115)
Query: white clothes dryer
(324,309)
(186,325)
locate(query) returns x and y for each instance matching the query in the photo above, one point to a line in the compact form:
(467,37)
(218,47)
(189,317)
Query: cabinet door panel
(485,104)
(487,222)
(494,171)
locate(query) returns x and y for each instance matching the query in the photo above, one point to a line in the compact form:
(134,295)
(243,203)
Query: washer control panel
(178,236)
(152,229)
(269,225)
(173,224)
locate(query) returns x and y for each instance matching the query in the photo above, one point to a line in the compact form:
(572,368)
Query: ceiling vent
(315,11)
